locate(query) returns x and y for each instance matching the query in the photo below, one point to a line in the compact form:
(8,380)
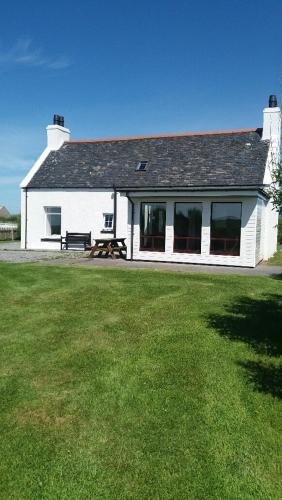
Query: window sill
(111,231)
(187,251)
(224,254)
(56,239)
(151,250)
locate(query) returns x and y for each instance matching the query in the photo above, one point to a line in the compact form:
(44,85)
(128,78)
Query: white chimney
(272,121)
(57,134)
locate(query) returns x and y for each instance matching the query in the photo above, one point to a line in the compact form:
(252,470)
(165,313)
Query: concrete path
(11,252)
(261,270)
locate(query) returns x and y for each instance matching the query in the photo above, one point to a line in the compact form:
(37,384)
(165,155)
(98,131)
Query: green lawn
(126,384)
(276,260)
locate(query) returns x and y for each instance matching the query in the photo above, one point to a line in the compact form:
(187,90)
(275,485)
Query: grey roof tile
(226,159)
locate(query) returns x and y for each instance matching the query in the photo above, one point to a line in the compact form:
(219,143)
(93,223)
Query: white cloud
(23,53)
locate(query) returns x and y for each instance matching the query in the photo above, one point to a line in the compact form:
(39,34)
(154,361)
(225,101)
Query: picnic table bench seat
(121,247)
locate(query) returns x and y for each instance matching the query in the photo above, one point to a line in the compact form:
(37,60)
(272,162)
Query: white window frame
(105,222)
(47,223)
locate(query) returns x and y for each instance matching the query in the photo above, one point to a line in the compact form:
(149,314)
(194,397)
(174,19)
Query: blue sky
(119,68)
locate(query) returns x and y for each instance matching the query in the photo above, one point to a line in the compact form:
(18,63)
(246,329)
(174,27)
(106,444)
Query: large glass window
(152,227)
(53,220)
(225,228)
(187,227)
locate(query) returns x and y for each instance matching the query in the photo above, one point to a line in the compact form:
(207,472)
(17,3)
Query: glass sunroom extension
(152,226)
(200,229)
(187,227)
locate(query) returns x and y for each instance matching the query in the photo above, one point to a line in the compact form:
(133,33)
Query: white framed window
(108,221)
(53,221)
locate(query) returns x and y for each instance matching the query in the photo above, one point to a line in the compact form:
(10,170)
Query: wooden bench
(76,240)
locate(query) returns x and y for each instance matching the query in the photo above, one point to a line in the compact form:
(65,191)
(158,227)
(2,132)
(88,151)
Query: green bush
(18,221)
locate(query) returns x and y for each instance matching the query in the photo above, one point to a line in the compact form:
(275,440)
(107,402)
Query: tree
(275,188)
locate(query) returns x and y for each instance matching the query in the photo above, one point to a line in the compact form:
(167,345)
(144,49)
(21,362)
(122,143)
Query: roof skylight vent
(142,165)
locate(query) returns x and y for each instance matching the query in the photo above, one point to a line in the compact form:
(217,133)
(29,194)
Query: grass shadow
(276,276)
(257,322)
(265,377)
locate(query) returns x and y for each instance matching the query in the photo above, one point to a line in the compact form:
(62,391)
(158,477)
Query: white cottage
(194,198)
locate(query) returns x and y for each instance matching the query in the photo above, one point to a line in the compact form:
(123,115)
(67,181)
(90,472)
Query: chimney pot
(272,101)
(59,120)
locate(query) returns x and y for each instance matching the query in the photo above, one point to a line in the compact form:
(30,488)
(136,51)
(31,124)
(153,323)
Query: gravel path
(11,252)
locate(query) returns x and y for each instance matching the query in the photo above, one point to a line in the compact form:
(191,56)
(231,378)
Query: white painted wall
(248,233)
(56,136)
(260,221)
(266,230)
(270,231)
(122,216)
(271,123)
(81,211)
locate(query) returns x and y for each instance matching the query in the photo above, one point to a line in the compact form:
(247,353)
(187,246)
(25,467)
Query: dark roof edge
(259,189)
(154,188)
(165,136)
(192,188)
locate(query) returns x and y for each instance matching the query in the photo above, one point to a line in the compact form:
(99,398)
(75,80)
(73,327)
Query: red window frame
(152,237)
(187,240)
(225,251)
(152,248)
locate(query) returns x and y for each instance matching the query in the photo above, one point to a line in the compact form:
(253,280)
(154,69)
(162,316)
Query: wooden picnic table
(109,246)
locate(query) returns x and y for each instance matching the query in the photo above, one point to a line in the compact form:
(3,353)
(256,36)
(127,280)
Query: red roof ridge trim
(163,136)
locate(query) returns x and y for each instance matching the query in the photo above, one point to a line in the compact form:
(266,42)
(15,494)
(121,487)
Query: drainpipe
(115,211)
(131,225)
(25,221)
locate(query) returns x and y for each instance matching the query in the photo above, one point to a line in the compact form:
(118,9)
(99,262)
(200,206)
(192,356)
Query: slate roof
(4,212)
(235,158)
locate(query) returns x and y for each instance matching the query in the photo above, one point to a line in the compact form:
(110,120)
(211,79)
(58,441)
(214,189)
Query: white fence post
(7,230)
